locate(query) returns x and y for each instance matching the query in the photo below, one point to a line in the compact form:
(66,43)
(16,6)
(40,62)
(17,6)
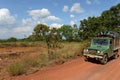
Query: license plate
(92,56)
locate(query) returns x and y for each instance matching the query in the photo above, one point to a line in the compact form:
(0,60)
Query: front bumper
(92,56)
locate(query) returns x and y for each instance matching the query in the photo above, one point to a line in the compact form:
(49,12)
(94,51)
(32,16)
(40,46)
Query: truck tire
(115,56)
(85,58)
(105,59)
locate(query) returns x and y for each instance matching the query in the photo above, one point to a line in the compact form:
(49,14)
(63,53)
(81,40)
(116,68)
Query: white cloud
(39,13)
(10,27)
(27,21)
(6,18)
(92,2)
(43,15)
(22,29)
(72,16)
(27,24)
(52,18)
(76,8)
(88,2)
(72,23)
(55,25)
(65,8)
(3,31)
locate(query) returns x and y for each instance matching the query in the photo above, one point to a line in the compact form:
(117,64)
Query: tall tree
(108,21)
(40,31)
(75,33)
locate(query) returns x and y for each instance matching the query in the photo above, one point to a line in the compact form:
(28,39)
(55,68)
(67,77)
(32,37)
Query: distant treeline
(109,20)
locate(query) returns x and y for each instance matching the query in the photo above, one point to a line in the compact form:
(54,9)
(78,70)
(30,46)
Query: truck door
(111,48)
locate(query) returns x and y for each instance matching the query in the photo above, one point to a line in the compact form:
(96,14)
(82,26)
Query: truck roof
(102,38)
(109,34)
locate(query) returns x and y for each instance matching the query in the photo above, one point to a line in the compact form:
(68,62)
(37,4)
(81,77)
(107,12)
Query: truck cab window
(110,42)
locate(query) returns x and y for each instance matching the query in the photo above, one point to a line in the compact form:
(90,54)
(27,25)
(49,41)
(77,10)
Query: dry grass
(16,69)
(55,56)
(21,44)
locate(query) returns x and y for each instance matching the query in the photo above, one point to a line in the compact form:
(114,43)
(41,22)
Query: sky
(19,17)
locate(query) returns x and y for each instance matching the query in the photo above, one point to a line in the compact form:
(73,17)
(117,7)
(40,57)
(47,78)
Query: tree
(12,39)
(108,21)
(75,33)
(40,31)
(67,32)
(52,37)
(89,27)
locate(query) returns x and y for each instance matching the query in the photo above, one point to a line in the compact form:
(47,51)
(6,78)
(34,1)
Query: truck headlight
(85,50)
(98,51)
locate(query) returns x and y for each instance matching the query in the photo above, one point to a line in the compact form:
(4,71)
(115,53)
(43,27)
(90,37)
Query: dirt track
(78,69)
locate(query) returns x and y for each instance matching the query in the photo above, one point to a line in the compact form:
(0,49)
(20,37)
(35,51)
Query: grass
(21,44)
(16,69)
(55,56)
(25,66)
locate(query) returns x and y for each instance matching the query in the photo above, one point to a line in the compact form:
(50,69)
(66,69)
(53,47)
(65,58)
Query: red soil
(77,69)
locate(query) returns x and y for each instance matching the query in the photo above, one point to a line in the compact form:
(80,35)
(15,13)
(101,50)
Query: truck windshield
(103,42)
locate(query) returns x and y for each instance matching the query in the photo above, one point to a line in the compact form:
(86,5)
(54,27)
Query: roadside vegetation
(21,44)
(55,56)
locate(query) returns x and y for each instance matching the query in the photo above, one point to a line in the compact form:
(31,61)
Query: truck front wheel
(104,59)
(86,59)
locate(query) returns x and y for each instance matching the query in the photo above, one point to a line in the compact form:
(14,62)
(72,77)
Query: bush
(54,56)
(16,69)
(12,39)
(30,62)
(43,60)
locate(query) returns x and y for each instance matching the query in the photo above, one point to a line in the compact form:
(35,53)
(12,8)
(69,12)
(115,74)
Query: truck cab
(102,47)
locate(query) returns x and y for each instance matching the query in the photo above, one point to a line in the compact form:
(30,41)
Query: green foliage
(67,32)
(89,28)
(53,39)
(40,31)
(75,33)
(108,21)
(12,39)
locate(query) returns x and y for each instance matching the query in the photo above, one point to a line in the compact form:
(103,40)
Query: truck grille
(92,51)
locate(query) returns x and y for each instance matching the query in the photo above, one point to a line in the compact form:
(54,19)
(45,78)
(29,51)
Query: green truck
(104,46)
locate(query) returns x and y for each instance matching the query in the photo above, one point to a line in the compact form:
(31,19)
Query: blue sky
(19,17)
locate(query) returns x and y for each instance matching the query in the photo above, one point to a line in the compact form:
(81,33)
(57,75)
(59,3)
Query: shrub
(12,39)
(16,69)
(43,60)
(30,62)
(52,55)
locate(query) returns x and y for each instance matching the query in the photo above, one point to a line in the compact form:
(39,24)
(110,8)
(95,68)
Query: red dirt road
(78,69)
